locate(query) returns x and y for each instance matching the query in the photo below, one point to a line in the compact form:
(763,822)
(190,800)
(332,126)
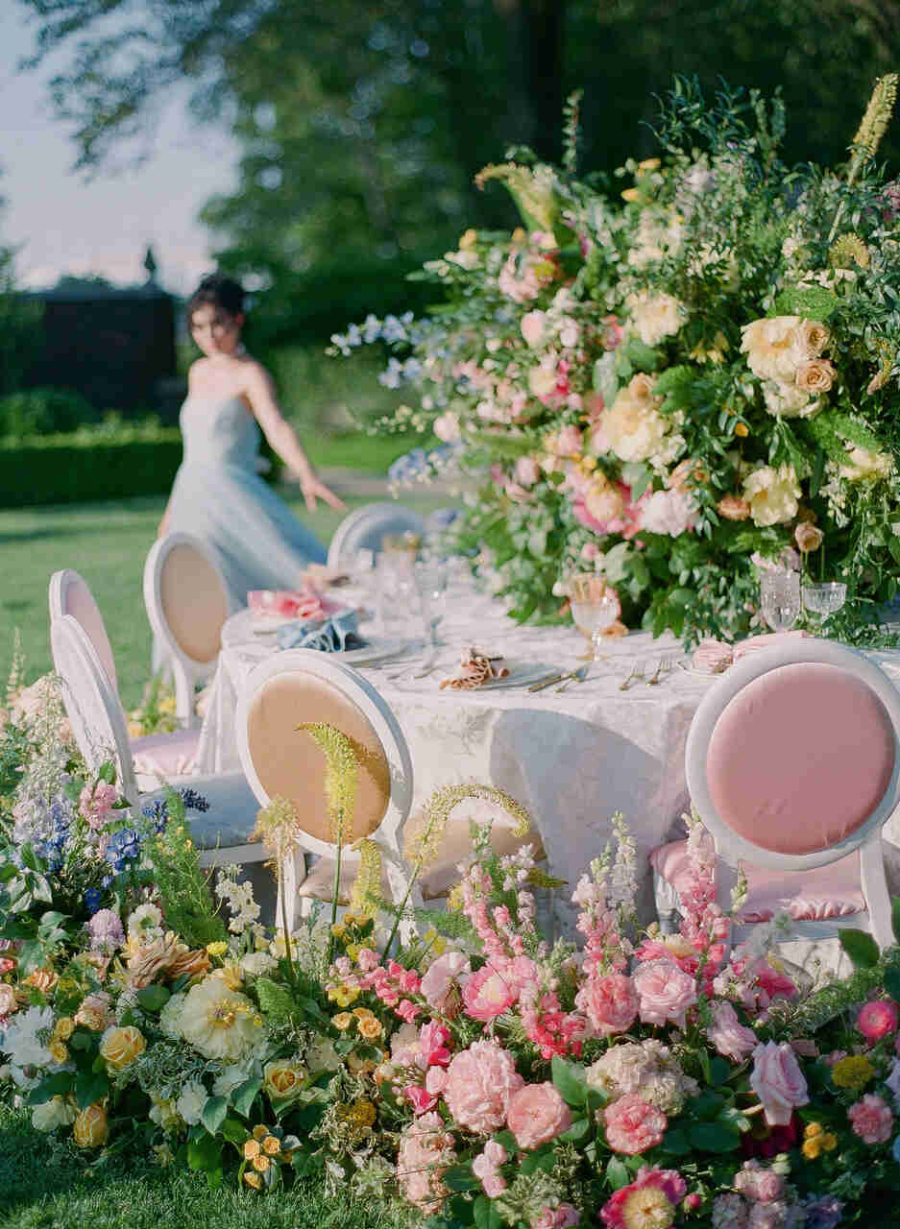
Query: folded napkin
(769,640)
(712,656)
(475,669)
(336,634)
(306,603)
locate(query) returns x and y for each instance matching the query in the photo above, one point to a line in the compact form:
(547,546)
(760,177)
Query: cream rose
(816,375)
(788,400)
(91,1128)
(808,537)
(655,316)
(773,494)
(283,1080)
(121,1046)
(632,428)
(866,466)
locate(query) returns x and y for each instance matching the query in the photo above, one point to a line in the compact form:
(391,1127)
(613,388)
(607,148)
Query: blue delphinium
(92,899)
(194,801)
(824,1211)
(124,846)
(158,809)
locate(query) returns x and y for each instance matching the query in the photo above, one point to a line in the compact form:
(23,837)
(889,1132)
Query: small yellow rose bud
(829,1142)
(260,1132)
(812,1130)
(271,1145)
(261,1163)
(741,429)
(91,1128)
(649,164)
(251,1149)
(59,1052)
(253,1179)
(65,1027)
(811,1148)
(342,1020)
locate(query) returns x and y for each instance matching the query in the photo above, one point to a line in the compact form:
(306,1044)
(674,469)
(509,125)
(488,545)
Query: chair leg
(184,695)
(398,878)
(875,893)
(286,903)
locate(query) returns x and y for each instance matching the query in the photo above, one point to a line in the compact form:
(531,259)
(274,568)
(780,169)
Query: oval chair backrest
(186,598)
(793,758)
(366,528)
(71,595)
(94,711)
(300,686)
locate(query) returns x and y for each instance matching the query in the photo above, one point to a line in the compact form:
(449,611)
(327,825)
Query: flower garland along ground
(481,1074)
(667,387)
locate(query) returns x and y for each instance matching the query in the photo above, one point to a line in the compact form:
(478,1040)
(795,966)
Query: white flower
(446,427)
(632,428)
(532,326)
(145,922)
(776,346)
(787,400)
(219,1022)
(191,1102)
(164,1113)
(170,1016)
(670,512)
(466,258)
(322,1056)
(22,1043)
(52,1114)
(773,494)
(866,466)
(655,316)
(256,963)
(656,237)
(568,332)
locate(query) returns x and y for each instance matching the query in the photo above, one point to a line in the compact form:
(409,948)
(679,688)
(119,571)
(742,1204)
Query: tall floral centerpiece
(674,386)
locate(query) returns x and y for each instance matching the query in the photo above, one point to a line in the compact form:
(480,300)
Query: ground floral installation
(477,1074)
(675,387)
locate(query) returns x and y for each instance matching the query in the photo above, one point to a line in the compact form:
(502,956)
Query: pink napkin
(290,604)
(712,656)
(769,640)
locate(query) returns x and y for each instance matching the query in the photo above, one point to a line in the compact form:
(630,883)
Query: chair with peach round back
(71,595)
(299,687)
(793,764)
(187,603)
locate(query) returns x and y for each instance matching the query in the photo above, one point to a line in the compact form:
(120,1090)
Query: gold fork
(637,673)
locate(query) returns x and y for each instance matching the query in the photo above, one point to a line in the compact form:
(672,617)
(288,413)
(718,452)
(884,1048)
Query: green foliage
(44,411)
(183,887)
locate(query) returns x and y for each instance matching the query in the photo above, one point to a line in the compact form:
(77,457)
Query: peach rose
(812,338)
(610,1003)
(91,1128)
(536,1114)
(121,1046)
(778,1081)
(8,1001)
(733,508)
(808,537)
(815,376)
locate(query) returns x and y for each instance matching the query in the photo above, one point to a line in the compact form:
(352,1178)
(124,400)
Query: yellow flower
(852,1072)
(649,164)
(631,195)
(339,930)
(121,1046)
(588,463)
(91,1128)
(260,1132)
(58,1052)
(282,1079)
(219,948)
(251,1149)
(342,1020)
(261,1163)
(353,950)
(829,1142)
(369,1029)
(468,239)
(741,429)
(271,1145)
(253,1179)
(363,1013)
(811,1148)
(812,1130)
(343,995)
(65,1027)
(360,1113)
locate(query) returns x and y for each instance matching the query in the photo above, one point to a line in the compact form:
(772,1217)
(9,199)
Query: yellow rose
(251,1149)
(253,1180)
(59,1052)
(649,164)
(271,1145)
(283,1079)
(631,195)
(342,1020)
(91,1128)
(370,1029)
(811,1148)
(261,1163)
(65,1027)
(121,1046)
(829,1142)
(219,948)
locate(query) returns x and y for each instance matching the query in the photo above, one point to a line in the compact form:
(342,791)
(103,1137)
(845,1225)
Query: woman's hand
(163,526)
(313,489)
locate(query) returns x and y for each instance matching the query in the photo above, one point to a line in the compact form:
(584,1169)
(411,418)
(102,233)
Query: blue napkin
(335,635)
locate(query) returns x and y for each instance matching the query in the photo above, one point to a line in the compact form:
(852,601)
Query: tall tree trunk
(535,56)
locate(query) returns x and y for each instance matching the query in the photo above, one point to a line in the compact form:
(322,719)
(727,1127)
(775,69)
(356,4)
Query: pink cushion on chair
(800,758)
(828,892)
(79,602)
(166,755)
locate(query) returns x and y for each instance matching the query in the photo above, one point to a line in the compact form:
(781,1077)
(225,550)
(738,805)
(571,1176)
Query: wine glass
(824,598)
(594,608)
(780,598)
(432,576)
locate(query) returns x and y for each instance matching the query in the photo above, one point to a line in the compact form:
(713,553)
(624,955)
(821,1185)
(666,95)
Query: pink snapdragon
(439,985)
(95,803)
(419,1098)
(488,993)
(433,1038)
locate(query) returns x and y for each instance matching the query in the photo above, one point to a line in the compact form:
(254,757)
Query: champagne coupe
(825,598)
(594,608)
(780,595)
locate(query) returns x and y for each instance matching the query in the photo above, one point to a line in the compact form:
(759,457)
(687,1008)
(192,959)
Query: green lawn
(107,543)
(47,1185)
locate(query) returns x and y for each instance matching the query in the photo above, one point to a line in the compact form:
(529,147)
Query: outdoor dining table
(573,757)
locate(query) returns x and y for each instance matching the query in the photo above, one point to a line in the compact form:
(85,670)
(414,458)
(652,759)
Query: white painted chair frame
(731,848)
(396,519)
(98,724)
(61,585)
(388,834)
(186,672)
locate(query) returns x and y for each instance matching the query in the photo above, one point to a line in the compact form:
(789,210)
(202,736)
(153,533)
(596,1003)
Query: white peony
(787,400)
(632,428)
(170,1016)
(656,237)
(256,963)
(669,512)
(655,316)
(866,466)
(191,1101)
(22,1043)
(52,1114)
(219,1022)
(773,494)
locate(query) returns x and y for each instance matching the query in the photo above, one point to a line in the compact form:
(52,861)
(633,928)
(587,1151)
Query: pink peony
(877,1019)
(480,1082)
(778,1081)
(488,993)
(756,1182)
(536,1114)
(871,1119)
(95,804)
(610,1003)
(650,1202)
(728,1035)
(633,1125)
(665,992)
(438,984)
(426,1150)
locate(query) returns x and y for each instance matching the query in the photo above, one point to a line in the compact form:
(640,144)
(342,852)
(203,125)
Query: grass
(45,1184)
(107,543)
(373,453)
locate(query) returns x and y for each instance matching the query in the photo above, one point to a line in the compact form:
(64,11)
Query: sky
(62,223)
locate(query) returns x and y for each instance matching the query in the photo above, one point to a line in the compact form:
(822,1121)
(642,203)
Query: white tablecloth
(573,758)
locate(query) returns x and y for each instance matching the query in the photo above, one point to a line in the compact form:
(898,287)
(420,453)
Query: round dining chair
(366,528)
(187,603)
(70,594)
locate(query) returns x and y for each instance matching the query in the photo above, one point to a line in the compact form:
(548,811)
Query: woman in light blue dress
(218,494)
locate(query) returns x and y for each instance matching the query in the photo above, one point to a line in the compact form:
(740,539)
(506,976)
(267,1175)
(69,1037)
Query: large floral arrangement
(673,387)
(482,1075)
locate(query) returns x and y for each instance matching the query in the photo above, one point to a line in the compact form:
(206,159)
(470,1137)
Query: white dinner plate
(521,674)
(376,648)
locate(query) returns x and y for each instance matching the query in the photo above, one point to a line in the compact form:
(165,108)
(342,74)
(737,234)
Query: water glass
(399,601)
(594,609)
(780,599)
(825,598)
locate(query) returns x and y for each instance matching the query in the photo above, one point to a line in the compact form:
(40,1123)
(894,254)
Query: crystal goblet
(780,599)
(594,609)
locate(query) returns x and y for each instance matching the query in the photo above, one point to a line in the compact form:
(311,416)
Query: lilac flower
(822,1212)
(106,931)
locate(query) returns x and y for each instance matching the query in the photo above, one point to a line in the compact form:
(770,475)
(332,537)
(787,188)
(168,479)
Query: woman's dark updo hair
(221,292)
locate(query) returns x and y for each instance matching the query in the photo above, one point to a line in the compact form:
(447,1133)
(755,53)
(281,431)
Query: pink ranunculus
(871,1119)
(486,1167)
(633,1125)
(438,983)
(480,1082)
(665,992)
(488,993)
(758,1182)
(730,1038)
(652,1199)
(778,1081)
(96,803)
(419,1098)
(527,471)
(877,1019)
(610,1003)
(536,1114)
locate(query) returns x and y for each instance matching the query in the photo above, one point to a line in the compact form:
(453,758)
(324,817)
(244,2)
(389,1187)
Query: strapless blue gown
(219,497)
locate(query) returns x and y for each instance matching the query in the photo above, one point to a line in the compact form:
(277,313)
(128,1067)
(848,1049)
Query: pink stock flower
(438,983)
(426,1150)
(367,960)
(871,1119)
(650,1202)
(633,1125)
(610,1003)
(556,1218)
(419,1098)
(877,1019)
(480,1082)
(778,1081)
(730,1038)
(536,1114)
(569,442)
(488,993)
(95,804)
(755,1181)
(665,992)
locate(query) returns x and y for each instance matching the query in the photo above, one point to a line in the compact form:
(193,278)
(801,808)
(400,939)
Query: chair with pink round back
(71,595)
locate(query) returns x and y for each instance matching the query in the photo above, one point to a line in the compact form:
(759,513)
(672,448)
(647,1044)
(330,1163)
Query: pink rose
(871,1120)
(610,1003)
(877,1019)
(728,1035)
(665,1187)
(536,1114)
(756,1182)
(556,1218)
(480,1082)
(532,326)
(665,992)
(438,983)
(8,1001)
(488,993)
(778,1081)
(633,1125)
